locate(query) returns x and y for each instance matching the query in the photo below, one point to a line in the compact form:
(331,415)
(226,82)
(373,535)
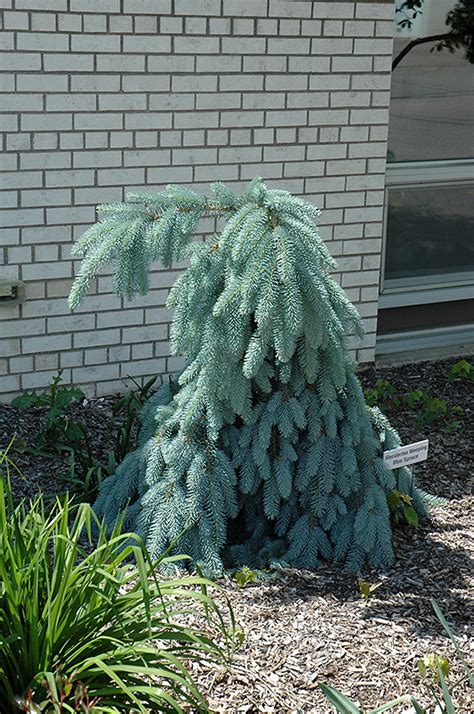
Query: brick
(145,83)
(359,28)
(288,46)
(95,43)
(95,6)
(196,45)
(70,178)
(120,318)
(329,81)
(120,24)
(15,20)
(73,102)
(148,120)
(122,102)
(308,64)
(284,153)
(144,157)
(242,8)
(169,174)
(171,25)
(216,100)
(147,7)
(351,64)
(194,156)
(366,149)
(329,10)
(41,82)
(120,63)
(43,21)
(376,46)
(333,28)
(185,120)
(382,11)
(22,217)
(142,367)
(71,323)
(176,63)
(45,343)
(95,83)
(41,4)
(347,166)
(195,26)
(147,44)
(42,41)
(119,177)
(69,22)
(12,61)
(330,46)
(192,83)
(305,168)
(68,63)
(280,82)
(18,142)
(369,116)
(46,252)
(328,116)
(46,197)
(9,383)
(97,337)
(227,63)
(282,8)
(286,118)
(99,120)
(74,214)
(96,373)
(350,99)
(243,45)
(263,100)
(23,102)
(363,214)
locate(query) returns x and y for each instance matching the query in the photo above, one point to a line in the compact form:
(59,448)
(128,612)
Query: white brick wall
(106,96)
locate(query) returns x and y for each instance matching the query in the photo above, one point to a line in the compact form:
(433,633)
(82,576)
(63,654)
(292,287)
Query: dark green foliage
(85,625)
(265,451)
(65,435)
(426,409)
(462,370)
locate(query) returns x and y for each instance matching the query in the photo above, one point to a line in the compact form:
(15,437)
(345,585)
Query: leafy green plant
(59,429)
(426,408)
(463,370)
(65,435)
(245,576)
(434,671)
(400,505)
(366,589)
(87,626)
(383,395)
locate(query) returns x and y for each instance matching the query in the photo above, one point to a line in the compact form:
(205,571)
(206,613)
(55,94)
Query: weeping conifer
(265,450)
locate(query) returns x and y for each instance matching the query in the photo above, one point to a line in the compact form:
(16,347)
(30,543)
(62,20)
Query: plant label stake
(406,455)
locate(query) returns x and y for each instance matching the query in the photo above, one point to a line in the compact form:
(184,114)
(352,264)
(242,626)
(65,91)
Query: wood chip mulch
(303,628)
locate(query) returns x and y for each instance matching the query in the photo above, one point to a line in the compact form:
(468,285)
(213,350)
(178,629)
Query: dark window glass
(430,232)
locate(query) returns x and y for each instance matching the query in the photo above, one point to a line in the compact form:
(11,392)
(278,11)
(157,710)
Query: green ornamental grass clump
(265,450)
(86,626)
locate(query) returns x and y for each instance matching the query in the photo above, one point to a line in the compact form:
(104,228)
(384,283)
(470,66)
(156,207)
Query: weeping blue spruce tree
(264,450)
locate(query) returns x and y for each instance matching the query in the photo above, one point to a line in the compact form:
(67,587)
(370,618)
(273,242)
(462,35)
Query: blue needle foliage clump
(265,450)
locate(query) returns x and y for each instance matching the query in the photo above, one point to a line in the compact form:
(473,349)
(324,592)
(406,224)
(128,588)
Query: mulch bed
(304,628)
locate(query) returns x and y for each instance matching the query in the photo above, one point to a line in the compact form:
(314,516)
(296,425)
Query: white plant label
(406,455)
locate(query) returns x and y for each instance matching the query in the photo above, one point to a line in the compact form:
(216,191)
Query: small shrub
(463,370)
(84,629)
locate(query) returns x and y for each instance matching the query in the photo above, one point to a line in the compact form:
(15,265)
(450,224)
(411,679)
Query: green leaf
(366,589)
(411,516)
(340,701)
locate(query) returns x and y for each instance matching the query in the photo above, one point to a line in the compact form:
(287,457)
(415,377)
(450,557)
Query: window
(429,231)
